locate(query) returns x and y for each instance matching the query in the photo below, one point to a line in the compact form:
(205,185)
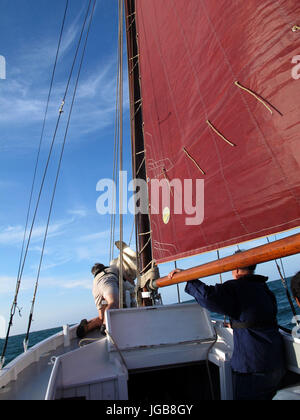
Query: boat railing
(42,349)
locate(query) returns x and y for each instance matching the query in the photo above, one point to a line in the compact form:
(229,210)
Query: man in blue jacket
(258,356)
(295,286)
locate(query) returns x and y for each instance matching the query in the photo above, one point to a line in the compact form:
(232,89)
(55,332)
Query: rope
(221,282)
(145,233)
(18,284)
(207,365)
(178,291)
(115,166)
(140,167)
(145,268)
(221,279)
(219,134)
(128,29)
(255,96)
(121,304)
(139,107)
(117,348)
(51,149)
(88,339)
(193,160)
(58,169)
(133,67)
(132,14)
(112,339)
(145,246)
(131,234)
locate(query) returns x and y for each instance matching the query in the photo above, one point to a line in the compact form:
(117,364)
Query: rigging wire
(2,360)
(18,284)
(221,282)
(52,144)
(284,284)
(210,379)
(178,291)
(58,172)
(121,151)
(115,166)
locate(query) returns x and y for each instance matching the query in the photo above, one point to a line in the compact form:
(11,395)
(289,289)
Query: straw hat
(129,261)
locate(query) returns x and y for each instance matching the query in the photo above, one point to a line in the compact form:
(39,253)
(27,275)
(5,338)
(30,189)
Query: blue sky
(78,235)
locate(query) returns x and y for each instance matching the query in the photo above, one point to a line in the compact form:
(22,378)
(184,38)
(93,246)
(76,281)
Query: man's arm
(219,298)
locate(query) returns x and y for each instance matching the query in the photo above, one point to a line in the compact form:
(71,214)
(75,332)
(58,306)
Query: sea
(285,317)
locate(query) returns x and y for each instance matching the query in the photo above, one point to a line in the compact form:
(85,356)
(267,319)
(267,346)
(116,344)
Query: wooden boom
(271,251)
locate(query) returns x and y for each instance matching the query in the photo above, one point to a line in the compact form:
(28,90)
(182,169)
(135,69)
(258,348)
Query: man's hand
(170,275)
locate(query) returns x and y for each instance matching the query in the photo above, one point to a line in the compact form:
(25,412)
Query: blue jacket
(248,299)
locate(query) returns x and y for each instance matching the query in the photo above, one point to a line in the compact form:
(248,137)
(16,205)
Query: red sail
(244,136)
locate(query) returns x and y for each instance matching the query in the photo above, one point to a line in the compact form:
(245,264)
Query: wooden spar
(142,221)
(271,251)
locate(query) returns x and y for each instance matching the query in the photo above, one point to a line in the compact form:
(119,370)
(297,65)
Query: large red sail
(220,85)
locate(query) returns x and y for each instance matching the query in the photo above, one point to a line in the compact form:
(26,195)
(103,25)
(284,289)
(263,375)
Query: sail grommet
(296,28)
(166,215)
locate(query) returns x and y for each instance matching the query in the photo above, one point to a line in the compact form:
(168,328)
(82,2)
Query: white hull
(151,338)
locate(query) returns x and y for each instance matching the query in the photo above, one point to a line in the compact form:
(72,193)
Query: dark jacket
(246,300)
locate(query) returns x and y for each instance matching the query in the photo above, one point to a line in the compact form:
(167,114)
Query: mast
(142,222)
(271,251)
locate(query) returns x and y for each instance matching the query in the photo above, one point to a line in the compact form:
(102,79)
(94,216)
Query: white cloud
(7,184)
(93,247)
(8,283)
(24,94)
(94,236)
(81,283)
(23,103)
(80,212)
(13,235)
